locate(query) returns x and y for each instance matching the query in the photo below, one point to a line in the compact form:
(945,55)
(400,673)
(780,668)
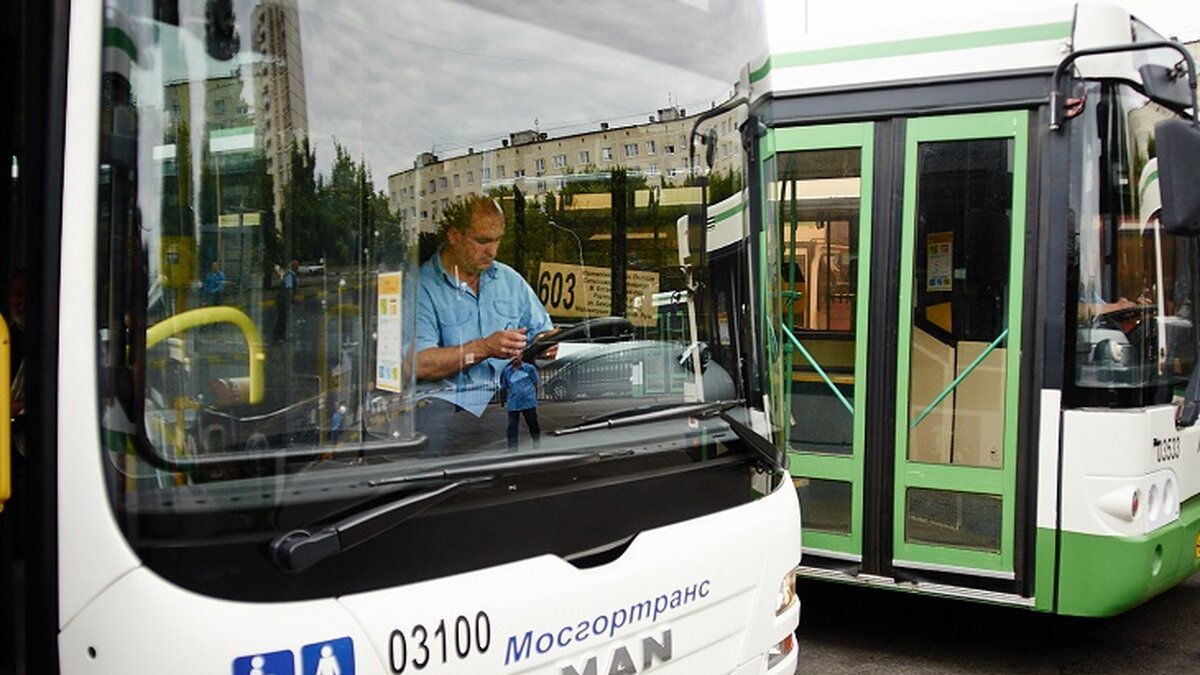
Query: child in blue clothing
(520,379)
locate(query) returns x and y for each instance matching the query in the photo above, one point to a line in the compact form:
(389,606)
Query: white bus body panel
(712,582)
(727,222)
(1111,455)
(1050,419)
(874,51)
(92,554)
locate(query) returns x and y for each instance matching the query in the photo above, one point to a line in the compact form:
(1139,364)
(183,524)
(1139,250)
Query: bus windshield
(1137,286)
(372,240)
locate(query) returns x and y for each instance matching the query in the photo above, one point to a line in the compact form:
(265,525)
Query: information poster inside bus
(388,350)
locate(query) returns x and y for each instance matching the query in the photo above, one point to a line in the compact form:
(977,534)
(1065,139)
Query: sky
(444,76)
(388,80)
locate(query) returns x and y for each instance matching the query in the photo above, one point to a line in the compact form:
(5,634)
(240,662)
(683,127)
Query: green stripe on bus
(1147,180)
(914,46)
(729,213)
(761,71)
(119,39)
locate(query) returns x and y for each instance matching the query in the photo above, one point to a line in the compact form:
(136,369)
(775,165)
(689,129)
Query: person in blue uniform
(214,284)
(520,379)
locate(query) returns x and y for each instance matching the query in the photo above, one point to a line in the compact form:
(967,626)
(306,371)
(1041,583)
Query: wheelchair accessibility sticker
(328,657)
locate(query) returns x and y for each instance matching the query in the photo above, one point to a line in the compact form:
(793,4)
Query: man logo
(622,663)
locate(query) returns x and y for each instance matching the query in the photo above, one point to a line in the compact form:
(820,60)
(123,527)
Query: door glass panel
(947,518)
(960,299)
(827,504)
(819,193)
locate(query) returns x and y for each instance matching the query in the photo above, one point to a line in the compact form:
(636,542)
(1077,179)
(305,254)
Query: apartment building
(538,164)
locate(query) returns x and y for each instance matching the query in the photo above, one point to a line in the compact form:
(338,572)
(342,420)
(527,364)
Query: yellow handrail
(5,416)
(208,315)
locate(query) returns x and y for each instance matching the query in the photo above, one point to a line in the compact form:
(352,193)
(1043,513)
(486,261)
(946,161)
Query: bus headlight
(787,593)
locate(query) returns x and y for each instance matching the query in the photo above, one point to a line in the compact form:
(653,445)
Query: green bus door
(961,227)
(819,195)
(959,350)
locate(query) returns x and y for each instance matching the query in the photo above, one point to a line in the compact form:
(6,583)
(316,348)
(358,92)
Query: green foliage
(342,220)
(722,186)
(302,207)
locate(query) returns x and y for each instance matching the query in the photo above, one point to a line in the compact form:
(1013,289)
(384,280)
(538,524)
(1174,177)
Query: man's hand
(551,353)
(505,344)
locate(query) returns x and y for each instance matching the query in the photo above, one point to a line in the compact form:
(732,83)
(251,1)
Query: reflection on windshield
(389,205)
(1137,285)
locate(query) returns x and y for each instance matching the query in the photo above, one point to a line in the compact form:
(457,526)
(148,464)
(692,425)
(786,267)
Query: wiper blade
(624,419)
(507,467)
(302,548)
(769,455)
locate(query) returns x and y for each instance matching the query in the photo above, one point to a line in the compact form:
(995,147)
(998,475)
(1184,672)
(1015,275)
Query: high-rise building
(279,99)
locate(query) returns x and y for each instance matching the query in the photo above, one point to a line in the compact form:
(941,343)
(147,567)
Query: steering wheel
(1121,317)
(600,329)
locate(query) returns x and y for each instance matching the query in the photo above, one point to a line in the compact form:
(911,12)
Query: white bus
(220,465)
(989,304)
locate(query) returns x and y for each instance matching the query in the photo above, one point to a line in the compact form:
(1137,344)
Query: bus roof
(966,45)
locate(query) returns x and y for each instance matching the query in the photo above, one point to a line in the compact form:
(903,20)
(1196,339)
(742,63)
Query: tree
(302,230)
(722,186)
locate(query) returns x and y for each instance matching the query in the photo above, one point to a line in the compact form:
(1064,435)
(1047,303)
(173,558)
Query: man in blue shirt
(474,315)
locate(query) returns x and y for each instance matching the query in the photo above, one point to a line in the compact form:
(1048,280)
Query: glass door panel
(819,204)
(959,351)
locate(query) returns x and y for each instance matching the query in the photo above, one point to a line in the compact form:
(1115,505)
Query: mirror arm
(704,117)
(1058,98)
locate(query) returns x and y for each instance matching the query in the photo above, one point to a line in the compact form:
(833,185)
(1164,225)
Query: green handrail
(958,380)
(820,371)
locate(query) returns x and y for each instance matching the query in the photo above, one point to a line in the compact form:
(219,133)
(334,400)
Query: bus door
(818,182)
(958,355)
(936,493)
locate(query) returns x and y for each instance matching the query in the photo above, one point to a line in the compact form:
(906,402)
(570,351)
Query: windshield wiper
(625,418)
(506,467)
(769,456)
(302,548)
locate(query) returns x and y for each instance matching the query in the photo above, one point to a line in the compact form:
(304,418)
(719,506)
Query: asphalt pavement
(847,629)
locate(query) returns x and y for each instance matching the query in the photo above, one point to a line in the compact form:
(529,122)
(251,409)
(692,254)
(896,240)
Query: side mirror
(710,147)
(1167,86)
(1178,145)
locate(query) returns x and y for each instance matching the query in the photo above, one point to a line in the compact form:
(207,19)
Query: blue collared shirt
(450,314)
(521,382)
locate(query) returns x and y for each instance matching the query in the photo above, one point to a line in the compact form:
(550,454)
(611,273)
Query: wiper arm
(302,548)
(624,419)
(769,456)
